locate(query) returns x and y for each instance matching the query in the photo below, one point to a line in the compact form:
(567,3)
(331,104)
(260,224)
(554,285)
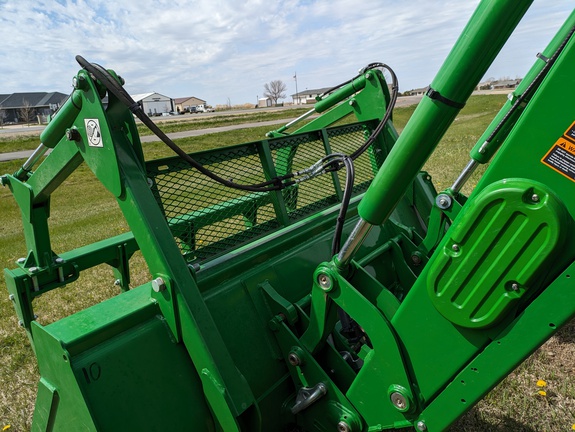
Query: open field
(11,143)
(82,212)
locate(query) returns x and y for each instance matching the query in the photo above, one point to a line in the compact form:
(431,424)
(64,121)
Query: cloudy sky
(222,50)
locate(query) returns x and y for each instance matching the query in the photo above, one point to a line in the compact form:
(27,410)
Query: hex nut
(443,201)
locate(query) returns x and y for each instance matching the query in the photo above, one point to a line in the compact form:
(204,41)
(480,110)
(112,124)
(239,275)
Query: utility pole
(296,92)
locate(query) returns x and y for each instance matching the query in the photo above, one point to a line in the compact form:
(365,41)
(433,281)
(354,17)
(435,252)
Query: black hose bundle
(329,163)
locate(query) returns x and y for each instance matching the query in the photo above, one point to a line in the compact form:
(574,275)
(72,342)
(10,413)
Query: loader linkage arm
(252,317)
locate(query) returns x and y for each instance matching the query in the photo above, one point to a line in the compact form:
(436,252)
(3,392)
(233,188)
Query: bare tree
(26,113)
(275,90)
(2,116)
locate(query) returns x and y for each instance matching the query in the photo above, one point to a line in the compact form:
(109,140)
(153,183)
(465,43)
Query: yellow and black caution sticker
(561,157)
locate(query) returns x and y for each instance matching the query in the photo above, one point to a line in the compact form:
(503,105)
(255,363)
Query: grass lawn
(171,125)
(514,405)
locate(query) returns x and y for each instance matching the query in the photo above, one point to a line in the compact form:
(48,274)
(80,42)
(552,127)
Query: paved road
(18,130)
(401,102)
(24,154)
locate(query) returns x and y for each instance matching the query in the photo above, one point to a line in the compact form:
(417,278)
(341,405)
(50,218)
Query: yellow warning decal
(561,157)
(570,133)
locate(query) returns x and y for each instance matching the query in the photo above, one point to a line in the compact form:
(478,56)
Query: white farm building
(154,103)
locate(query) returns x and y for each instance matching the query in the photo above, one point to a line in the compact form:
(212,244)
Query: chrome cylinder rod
(35,157)
(294,121)
(464,176)
(353,243)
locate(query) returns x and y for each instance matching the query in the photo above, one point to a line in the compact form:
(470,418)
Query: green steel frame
(244,323)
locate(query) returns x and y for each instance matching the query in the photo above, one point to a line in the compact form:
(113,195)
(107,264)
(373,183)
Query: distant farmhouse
(308,96)
(417,92)
(500,84)
(184,103)
(154,103)
(29,107)
(36,107)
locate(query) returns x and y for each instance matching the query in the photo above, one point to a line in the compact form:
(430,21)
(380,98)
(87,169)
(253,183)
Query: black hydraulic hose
(332,162)
(119,92)
(349,180)
(278,183)
(388,112)
(349,327)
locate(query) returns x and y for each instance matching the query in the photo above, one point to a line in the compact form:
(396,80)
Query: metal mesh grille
(346,140)
(295,155)
(208,219)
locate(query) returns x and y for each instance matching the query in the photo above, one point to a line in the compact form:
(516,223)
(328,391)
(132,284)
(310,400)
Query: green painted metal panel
(494,256)
(239,322)
(91,360)
(553,308)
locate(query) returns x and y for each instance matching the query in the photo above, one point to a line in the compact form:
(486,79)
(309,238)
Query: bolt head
(443,201)
(324,281)
(535,198)
(21,260)
(72,135)
(398,400)
(455,248)
(158,284)
(343,427)
(515,286)
(421,426)
(294,359)
(59,260)
(416,259)
(79,82)
(11,297)
(33,269)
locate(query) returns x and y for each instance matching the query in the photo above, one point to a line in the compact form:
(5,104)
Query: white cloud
(223,49)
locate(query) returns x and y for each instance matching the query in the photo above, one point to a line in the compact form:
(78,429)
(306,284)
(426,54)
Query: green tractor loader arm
(254,316)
